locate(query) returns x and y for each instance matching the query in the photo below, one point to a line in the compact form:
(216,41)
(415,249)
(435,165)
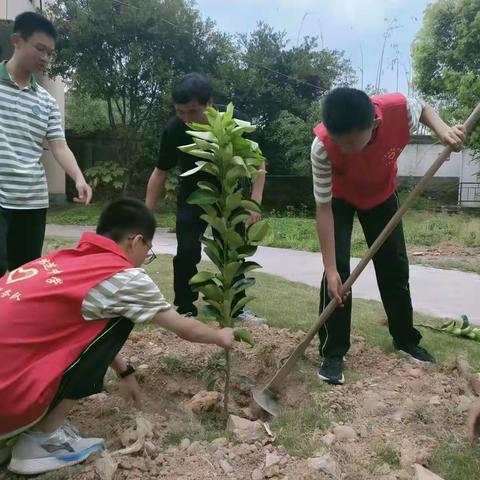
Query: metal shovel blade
(265,399)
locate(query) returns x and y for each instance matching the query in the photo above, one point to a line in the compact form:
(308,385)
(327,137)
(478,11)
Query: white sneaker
(246,316)
(37,452)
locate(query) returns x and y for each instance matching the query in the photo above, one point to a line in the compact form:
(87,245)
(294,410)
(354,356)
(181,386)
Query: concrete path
(441,293)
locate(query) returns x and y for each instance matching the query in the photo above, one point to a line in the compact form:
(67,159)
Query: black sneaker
(331,370)
(416,352)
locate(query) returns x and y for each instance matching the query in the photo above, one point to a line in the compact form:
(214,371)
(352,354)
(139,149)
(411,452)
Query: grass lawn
(79,215)
(421,228)
(294,306)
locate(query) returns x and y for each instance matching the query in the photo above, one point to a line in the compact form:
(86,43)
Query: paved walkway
(441,293)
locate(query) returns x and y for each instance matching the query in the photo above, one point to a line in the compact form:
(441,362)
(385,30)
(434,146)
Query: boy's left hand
(130,390)
(454,137)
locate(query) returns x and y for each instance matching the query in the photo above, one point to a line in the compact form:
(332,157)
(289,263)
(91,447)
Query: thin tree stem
(226,391)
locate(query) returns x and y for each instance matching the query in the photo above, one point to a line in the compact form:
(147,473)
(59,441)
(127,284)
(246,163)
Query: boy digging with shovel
(354,163)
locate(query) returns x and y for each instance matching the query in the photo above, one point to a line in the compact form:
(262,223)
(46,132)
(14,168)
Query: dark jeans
(189,228)
(21,237)
(392,272)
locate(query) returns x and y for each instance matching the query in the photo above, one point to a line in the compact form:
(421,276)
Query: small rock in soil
(185,443)
(226,467)
(343,433)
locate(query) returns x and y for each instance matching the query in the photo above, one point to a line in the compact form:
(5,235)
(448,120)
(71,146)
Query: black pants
(391,268)
(21,237)
(85,376)
(189,228)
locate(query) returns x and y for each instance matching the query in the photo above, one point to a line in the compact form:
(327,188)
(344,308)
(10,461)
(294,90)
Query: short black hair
(126,216)
(28,23)
(193,86)
(347,109)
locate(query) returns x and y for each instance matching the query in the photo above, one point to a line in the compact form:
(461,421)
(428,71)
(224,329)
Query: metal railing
(469,194)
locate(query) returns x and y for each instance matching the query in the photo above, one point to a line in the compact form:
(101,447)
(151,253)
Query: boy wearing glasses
(63,320)
(29,115)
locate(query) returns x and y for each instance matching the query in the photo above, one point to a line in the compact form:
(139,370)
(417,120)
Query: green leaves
(257,231)
(202,197)
(251,205)
(201,277)
(208,136)
(224,153)
(244,335)
(461,329)
(199,167)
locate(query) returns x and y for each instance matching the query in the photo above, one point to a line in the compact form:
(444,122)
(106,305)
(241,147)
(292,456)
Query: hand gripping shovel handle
(277,380)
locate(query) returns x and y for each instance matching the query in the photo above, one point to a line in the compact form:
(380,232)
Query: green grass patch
(296,429)
(386,454)
(421,229)
(73,214)
(455,460)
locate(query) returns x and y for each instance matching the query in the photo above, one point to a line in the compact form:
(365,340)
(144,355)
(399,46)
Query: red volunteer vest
(42,331)
(368,178)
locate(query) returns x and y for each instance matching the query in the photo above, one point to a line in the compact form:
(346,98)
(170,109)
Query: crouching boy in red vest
(354,163)
(63,320)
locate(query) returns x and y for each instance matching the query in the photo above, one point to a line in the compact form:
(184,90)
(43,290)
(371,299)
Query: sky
(356,27)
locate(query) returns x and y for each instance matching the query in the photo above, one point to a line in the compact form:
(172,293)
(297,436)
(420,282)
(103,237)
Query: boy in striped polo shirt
(354,162)
(63,320)
(29,115)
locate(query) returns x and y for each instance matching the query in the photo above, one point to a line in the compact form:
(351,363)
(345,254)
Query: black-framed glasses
(151,256)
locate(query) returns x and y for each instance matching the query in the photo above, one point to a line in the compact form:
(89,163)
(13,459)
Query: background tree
(128,56)
(447,61)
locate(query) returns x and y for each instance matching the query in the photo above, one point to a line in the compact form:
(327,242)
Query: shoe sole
(43,465)
(329,380)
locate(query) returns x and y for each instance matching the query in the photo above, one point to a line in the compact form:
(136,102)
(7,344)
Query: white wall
(417,158)
(9,9)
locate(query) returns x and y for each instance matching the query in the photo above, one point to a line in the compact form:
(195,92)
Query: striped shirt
(322,167)
(28,117)
(131,294)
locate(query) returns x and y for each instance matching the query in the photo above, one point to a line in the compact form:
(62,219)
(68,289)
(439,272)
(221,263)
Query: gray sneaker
(246,316)
(37,452)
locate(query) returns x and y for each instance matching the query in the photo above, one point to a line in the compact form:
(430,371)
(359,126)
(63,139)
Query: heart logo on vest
(20,274)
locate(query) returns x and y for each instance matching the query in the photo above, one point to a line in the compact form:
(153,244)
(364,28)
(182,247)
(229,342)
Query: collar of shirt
(5,76)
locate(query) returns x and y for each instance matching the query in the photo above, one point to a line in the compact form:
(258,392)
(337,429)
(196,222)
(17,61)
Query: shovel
(266,398)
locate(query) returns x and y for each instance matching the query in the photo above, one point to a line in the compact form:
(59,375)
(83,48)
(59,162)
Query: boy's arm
(64,156)
(449,136)
(326,236)
(192,330)
(257,195)
(322,189)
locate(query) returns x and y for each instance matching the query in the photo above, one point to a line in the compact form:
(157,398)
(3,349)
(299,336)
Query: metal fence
(469,194)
